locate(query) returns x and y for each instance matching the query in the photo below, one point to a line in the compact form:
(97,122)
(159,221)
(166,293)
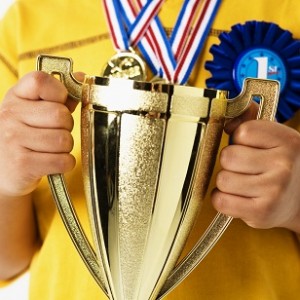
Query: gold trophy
(148,152)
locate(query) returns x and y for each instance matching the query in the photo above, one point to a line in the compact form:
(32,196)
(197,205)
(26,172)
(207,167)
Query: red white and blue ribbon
(161,45)
(172,59)
(145,45)
(178,55)
(196,41)
(143,19)
(128,33)
(183,26)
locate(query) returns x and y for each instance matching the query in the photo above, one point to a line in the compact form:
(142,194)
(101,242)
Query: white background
(18,290)
(4,5)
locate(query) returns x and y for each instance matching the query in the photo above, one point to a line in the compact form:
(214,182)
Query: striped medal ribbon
(127,34)
(177,55)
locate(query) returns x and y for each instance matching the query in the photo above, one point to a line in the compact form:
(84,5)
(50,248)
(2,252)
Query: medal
(258,50)
(171,60)
(126,65)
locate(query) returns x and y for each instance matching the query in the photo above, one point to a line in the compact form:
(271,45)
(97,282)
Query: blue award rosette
(259,50)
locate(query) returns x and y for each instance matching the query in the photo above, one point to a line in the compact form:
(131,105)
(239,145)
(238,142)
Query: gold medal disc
(125,65)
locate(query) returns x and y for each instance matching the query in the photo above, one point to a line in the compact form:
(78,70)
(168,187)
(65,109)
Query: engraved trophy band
(148,152)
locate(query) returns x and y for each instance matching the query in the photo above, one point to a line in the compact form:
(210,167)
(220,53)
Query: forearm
(18,235)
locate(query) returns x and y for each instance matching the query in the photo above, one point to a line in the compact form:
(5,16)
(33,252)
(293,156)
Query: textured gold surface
(266,90)
(63,67)
(198,105)
(150,217)
(140,152)
(148,151)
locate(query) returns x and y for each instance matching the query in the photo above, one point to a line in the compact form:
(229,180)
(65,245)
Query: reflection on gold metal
(266,90)
(148,152)
(126,65)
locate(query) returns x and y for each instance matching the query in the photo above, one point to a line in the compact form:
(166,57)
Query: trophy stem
(71,222)
(197,254)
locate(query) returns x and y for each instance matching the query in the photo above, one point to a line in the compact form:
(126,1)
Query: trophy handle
(268,92)
(63,67)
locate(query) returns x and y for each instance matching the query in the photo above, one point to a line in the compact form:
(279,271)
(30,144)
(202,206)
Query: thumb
(249,114)
(72,103)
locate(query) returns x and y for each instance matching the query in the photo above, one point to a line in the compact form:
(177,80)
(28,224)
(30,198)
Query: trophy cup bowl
(148,152)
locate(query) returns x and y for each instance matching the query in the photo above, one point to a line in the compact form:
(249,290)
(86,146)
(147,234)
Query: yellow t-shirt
(246,263)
